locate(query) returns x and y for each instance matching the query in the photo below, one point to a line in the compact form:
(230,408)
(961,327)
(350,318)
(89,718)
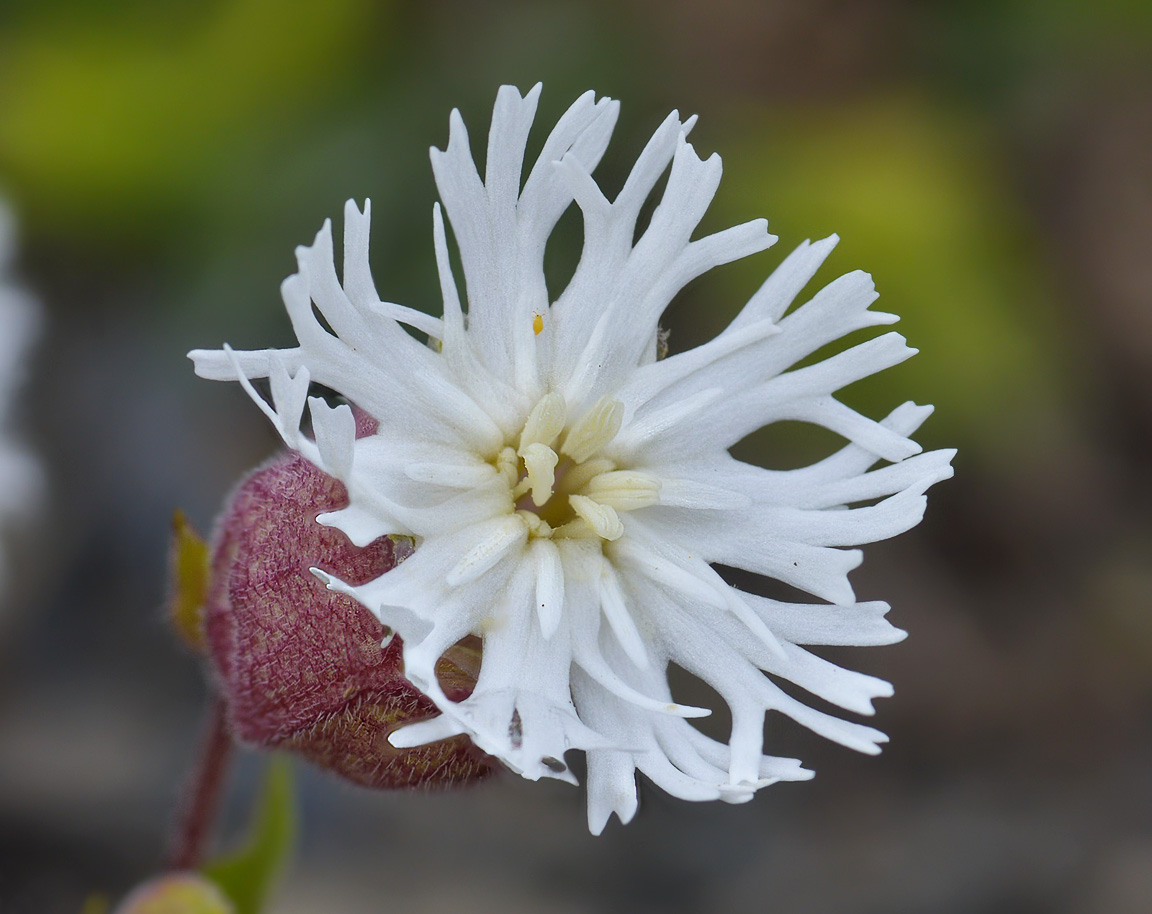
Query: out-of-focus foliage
(918,202)
(248,875)
(188,563)
(122,113)
(996,42)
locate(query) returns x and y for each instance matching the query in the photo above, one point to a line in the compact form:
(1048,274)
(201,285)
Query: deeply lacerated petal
(757,347)
(677,757)
(501,232)
(521,709)
(641,280)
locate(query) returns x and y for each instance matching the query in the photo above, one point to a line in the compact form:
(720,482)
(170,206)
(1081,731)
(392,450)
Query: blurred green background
(988,162)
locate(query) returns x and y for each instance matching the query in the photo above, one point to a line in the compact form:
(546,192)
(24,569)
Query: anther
(545,422)
(540,464)
(624,490)
(603,520)
(579,476)
(594,430)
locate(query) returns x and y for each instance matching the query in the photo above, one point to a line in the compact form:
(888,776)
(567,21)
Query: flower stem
(201,796)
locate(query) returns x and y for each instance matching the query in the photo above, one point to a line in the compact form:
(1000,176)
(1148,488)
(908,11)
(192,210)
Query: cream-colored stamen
(575,530)
(579,476)
(536,525)
(624,490)
(565,491)
(594,429)
(603,520)
(540,464)
(545,422)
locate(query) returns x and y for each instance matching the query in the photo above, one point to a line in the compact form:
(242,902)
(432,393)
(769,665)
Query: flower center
(561,484)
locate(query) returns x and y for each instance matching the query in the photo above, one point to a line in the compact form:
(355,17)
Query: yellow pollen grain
(537,323)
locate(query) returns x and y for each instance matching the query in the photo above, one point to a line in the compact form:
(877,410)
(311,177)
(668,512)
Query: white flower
(19,319)
(570,493)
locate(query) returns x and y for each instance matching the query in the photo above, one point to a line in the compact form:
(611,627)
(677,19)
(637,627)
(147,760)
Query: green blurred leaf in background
(248,875)
(115,117)
(918,201)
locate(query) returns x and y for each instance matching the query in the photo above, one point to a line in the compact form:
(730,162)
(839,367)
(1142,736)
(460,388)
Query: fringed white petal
(636,283)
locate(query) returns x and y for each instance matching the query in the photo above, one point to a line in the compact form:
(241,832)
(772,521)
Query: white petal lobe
(495,540)
(549,586)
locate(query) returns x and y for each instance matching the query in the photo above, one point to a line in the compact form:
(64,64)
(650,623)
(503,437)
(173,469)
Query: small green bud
(176,893)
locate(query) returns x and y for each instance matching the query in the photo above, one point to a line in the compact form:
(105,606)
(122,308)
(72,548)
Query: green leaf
(248,875)
(921,196)
(121,118)
(190,575)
